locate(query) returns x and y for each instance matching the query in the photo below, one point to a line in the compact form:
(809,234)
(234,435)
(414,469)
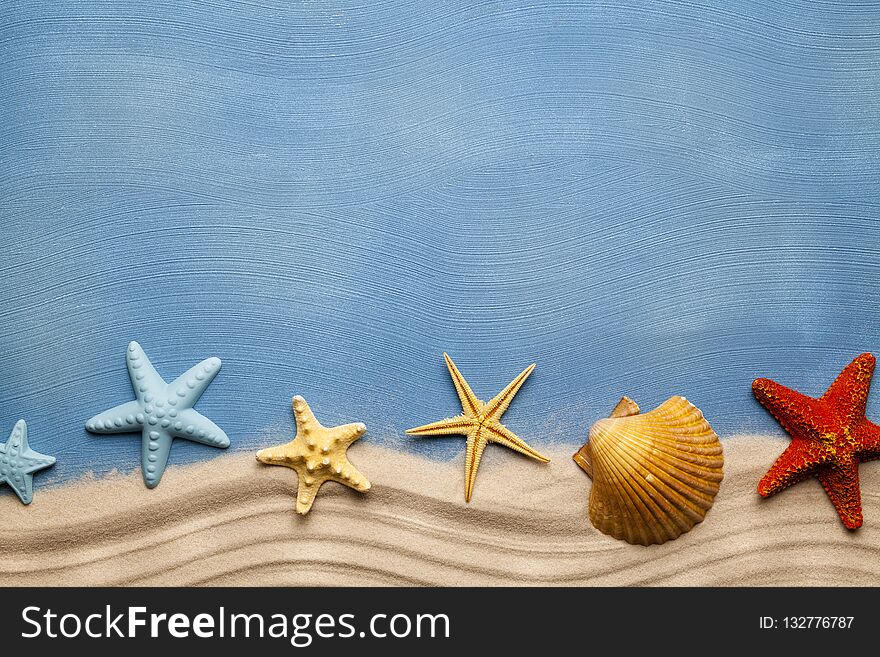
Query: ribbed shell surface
(656,474)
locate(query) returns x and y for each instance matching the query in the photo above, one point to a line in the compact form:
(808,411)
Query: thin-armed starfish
(162,411)
(481,423)
(830,437)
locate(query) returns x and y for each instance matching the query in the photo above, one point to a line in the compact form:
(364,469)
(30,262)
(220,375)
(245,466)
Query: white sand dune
(230,521)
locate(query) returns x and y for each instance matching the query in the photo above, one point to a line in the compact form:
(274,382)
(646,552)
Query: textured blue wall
(644,197)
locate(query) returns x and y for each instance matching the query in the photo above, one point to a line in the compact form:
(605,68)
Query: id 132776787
(806,622)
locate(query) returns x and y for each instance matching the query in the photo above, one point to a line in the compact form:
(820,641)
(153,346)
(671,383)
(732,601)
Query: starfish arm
(34,461)
(119,419)
(190,385)
(307,491)
(476,443)
(867,438)
(18,440)
(500,434)
(286,454)
(841,482)
(495,408)
(306,422)
(345,434)
(23,485)
(144,377)
(849,392)
(794,411)
(454,425)
(345,473)
(192,425)
(155,447)
(799,460)
(470,403)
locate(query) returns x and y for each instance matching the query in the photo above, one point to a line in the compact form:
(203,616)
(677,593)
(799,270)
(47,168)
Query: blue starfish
(162,411)
(18,462)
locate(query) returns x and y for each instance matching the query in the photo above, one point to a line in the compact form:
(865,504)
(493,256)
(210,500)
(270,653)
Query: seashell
(655,475)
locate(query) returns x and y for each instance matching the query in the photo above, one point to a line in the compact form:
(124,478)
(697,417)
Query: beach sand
(230,521)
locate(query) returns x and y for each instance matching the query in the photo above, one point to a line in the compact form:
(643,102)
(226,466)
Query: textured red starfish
(831,436)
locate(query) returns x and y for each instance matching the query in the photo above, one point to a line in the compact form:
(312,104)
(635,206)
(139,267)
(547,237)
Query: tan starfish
(481,423)
(318,454)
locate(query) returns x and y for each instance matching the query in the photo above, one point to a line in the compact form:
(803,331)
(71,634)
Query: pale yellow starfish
(318,454)
(481,423)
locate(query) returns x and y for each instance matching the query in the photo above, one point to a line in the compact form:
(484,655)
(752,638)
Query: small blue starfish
(18,462)
(162,411)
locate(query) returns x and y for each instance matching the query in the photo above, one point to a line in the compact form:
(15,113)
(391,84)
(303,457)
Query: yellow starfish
(318,454)
(481,423)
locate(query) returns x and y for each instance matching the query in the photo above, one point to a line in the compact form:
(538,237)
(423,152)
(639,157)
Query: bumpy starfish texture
(18,462)
(317,454)
(480,422)
(830,437)
(162,412)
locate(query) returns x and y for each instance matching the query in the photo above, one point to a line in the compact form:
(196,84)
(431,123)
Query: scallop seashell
(655,475)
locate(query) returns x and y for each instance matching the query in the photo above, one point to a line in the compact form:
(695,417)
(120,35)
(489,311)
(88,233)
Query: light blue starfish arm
(144,377)
(35,461)
(23,485)
(155,447)
(17,479)
(192,425)
(124,418)
(18,440)
(190,385)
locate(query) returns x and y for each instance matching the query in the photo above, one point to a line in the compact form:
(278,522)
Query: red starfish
(831,436)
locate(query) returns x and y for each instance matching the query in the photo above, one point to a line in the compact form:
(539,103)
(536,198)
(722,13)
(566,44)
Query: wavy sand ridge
(231,521)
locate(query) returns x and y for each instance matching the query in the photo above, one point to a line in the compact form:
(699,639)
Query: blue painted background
(643,197)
